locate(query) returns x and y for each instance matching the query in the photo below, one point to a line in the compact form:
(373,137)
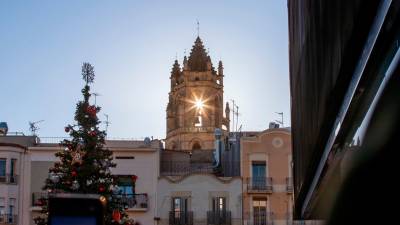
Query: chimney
(273,125)
(3,128)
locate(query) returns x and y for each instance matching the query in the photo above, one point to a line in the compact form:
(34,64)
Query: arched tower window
(196,145)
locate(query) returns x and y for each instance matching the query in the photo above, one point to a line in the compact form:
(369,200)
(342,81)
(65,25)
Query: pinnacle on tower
(220,68)
(176,69)
(198,58)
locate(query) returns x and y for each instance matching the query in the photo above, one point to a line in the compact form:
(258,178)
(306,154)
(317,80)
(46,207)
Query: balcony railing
(259,184)
(180,218)
(134,201)
(306,222)
(8,219)
(219,218)
(9,179)
(259,218)
(289,184)
(173,168)
(130,201)
(39,198)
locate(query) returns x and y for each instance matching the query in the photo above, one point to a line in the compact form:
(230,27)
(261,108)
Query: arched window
(173,146)
(196,145)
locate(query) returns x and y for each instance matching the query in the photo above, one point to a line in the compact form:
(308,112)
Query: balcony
(259,218)
(289,184)
(39,199)
(306,222)
(9,179)
(8,219)
(134,202)
(259,185)
(181,218)
(219,218)
(174,168)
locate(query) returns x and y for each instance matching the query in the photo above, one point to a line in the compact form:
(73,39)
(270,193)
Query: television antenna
(95,97)
(107,122)
(235,112)
(280,121)
(33,127)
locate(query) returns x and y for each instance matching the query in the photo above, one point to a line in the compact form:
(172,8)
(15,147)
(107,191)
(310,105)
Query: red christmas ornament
(67,129)
(74,173)
(92,133)
(91,110)
(101,188)
(116,215)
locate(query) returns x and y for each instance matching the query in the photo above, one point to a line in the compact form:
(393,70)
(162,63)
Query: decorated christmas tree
(84,163)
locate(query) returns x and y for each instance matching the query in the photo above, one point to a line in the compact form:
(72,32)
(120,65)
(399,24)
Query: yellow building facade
(267,178)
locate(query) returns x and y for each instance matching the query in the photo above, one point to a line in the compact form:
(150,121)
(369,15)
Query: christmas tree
(84,163)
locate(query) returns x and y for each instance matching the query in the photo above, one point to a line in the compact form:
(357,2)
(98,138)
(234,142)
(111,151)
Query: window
(125,185)
(260,211)
(219,204)
(3,169)
(11,210)
(2,208)
(13,168)
(180,214)
(196,145)
(198,121)
(11,206)
(219,214)
(179,205)
(259,175)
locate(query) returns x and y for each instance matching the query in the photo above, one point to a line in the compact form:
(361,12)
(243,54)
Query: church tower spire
(195,107)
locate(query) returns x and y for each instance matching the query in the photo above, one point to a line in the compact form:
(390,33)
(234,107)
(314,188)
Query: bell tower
(195,106)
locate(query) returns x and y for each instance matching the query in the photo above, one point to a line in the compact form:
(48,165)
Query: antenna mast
(281,121)
(33,127)
(198,28)
(95,97)
(107,122)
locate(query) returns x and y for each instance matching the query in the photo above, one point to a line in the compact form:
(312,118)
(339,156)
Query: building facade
(13,153)
(267,177)
(22,192)
(199,179)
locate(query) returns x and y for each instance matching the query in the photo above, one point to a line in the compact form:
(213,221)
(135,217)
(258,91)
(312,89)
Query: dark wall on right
(326,39)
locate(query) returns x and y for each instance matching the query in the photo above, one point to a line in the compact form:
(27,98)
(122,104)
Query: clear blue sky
(132,45)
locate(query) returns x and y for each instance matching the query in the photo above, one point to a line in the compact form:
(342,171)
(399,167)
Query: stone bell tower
(195,106)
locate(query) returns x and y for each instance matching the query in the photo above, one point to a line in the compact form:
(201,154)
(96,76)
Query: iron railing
(181,218)
(219,217)
(39,198)
(306,222)
(289,184)
(134,201)
(259,218)
(9,179)
(8,219)
(259,184)
(174,168)
(130,201)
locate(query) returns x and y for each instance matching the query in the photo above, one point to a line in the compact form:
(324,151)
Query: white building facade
(24,166)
